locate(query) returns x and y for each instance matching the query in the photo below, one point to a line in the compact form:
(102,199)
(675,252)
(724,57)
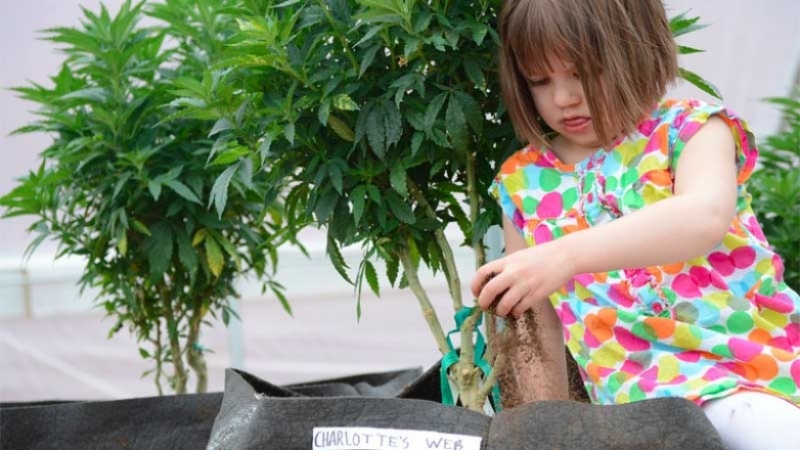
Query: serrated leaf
(358,198)
(372,277)
(159,250)
(343,102)
(700,83)
(186,253)
(366,61)
(229,156)
(416,142)
(219,192)
(400,209)
(685,50)
(323,112)
(230,250)
(140,227)
(288,132)
(456,123)
(479,31)
(376,132)
(122,242)
(432,112)
(199,237)
(392,269)
(340,128)
(475,74)
(472,110)
(155,189)
(335,174)
(263,148)
(120,184)
(397,178)
(183,190)
(220,126)
(393,123)
(338,261)
(143,353)
(214,256)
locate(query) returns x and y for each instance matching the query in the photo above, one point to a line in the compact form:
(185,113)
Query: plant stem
(339,35)
(159,357)
(194,354)
(427,309)
(447,251)
(474,207)
(467,330)
(174,342)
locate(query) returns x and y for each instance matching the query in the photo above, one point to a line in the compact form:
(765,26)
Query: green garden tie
(452,357)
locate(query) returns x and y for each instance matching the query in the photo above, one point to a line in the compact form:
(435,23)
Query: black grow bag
(177,422)
(249,419)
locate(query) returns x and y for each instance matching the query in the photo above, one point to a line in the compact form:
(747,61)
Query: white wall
(753,51)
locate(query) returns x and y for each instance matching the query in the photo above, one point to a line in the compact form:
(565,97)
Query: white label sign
(359,438)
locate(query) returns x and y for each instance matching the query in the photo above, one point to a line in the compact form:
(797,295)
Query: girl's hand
(522,279)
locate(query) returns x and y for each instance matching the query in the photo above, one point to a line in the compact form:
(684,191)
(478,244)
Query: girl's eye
(538,82)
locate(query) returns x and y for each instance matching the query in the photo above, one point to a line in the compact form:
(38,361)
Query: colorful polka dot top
(701,329)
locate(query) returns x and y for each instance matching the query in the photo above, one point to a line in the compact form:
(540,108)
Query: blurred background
(53,341)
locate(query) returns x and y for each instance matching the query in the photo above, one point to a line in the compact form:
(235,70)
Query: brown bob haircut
(623,51)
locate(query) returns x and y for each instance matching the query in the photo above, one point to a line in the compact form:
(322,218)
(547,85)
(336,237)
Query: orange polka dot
(745,371)
(672,269)
(765,366)
(760,336)
(660,177)
(598,328)
(663,328)
(711,356)
(783,355)
(608,316)
(593,371)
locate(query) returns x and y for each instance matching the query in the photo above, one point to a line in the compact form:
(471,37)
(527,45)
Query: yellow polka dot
(609,355)
(651,162)
(577,332)
(762,323)
(622,398)
(685,337)
(732,241)
(765,266)
(777,319)
(582,292)
(718,299)
(628,150)
(667,368)
(697,383)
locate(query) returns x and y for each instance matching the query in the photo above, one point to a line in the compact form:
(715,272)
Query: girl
(633,218)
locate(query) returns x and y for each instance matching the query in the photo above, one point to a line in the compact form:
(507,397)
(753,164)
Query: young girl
(632,216)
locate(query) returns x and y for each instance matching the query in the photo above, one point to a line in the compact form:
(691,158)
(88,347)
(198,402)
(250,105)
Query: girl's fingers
(482,277)
(492,289)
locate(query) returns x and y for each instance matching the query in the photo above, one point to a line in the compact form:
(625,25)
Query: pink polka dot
(718,281)
(701,276)
(566,315)
(780,303)
(744,350)
(650,374)
(796,371)
(743,257)
(629,341)
(647,385)
(590,340)
(714,373)
(685,286)
(777,262)
(781,343)
(689,356)
(678,380)
(793,334)
(551,206)
(620,296)
(584,279)
(631,367)
(754,228)
(721,263)
(648,126)
(542,234)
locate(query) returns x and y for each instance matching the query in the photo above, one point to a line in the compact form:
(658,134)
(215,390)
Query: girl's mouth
(576,124)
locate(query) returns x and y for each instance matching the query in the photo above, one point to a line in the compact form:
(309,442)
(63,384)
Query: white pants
(755,421)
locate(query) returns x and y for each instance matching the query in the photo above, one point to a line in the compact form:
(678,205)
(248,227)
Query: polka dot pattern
(700,329)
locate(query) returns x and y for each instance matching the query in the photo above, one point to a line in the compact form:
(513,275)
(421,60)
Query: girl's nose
(567,93)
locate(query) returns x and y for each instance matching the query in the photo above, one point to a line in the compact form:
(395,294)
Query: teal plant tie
(452,357)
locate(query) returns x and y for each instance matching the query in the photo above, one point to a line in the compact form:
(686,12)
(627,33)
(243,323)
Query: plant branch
(194,354)
(474,208)
(467,331)
(345,45)
(491,379)
(427,309)
(174,341)
(441,239)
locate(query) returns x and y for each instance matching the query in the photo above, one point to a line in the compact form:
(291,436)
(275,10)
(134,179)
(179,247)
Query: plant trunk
(194,352)
(180,376)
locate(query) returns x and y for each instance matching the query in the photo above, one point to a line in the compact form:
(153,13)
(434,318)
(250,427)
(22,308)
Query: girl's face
(560,101)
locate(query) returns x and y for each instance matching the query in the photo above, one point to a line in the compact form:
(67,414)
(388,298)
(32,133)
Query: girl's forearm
(677,229)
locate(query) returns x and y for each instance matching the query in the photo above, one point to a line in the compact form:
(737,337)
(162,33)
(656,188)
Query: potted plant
(149,199)
(387,114)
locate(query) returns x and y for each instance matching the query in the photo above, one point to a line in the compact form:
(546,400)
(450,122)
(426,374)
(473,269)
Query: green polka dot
(718,329)
(529,205)
(570,198)
(549,180)
(614,383)
(740,322)
(588,182)
(722,350)
(633,200)
(767,288)
(686,312)
(670,294)
(784,384)
(643,358)
(612,183)
(630,177)
(627,316)
(637,394)
(645,331)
